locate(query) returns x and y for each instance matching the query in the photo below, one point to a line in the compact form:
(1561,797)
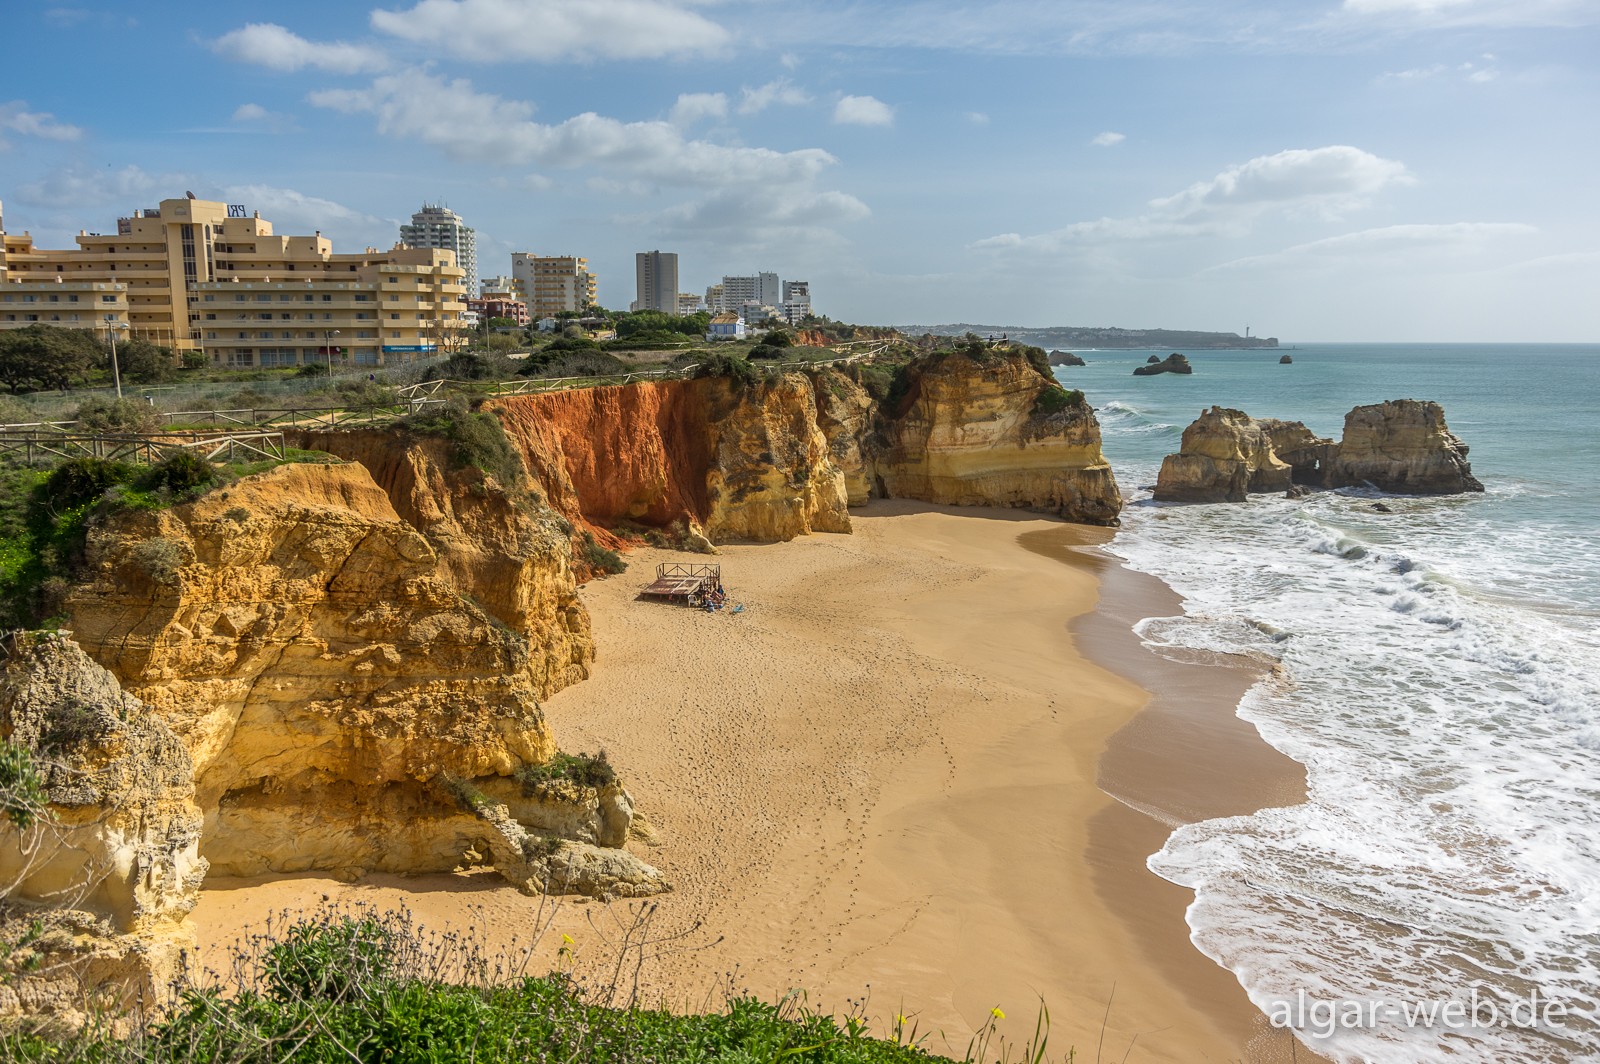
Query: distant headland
(1100,336)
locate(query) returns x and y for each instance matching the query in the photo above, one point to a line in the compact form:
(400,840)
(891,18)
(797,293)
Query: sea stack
(1226,454)
(1174,363)
(1403,446)
(1285,361)
(1066,358)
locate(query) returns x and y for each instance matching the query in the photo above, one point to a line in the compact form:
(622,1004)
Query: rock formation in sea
(1402,446)
(1225,455)
(1285,361)
(1173,363)
(1066,358)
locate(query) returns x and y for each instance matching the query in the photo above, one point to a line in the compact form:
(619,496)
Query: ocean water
(1439,676)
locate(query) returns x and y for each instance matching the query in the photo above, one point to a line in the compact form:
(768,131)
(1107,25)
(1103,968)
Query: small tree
(142,362)
(40,356)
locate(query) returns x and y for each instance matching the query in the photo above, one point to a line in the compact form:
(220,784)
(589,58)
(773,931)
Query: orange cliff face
(732,461)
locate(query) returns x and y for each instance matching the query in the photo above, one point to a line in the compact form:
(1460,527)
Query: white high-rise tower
(437,226)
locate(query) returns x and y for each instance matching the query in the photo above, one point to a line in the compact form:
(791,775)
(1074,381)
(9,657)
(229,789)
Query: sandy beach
(887,778)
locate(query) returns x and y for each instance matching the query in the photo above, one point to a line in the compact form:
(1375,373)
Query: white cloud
(863,111)
(525,183)
(467,124)
(270,45)
(1448,13)
(1330,180)
(754,101)
(1107,139)
(1389,243)
(1321,181)
(77,187)
(257,119)
(497,31)
(16,118)
(298,214)
(977,118)
(1469,71)
(693,106)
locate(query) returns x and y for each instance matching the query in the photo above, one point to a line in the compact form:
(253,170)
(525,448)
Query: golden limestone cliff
(98,889)
(995,430)
(347,703)
(504,548)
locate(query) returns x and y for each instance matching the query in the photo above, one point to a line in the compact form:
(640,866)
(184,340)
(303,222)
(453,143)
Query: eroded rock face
(116,859)
(505,549)
(1066,358)
(845,414)
(1309,456)
(971,434)
(1403,446)
(730,460)
(1225,456)
(319,664)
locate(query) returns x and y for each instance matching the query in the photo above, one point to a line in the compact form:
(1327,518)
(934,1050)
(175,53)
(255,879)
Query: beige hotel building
(195,275)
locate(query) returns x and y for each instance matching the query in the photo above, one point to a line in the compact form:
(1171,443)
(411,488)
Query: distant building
(196,275)
(760,289)
(554,284)
(502,287)
(689,303)
(714,299)
(796,301)
(488,309)
(656,281)
(725,326)
(436,226)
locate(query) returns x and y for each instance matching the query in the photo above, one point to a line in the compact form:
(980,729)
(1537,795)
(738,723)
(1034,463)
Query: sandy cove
(882,778)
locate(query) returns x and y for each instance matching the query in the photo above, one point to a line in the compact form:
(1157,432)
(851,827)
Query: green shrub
(477,438)
(22,794)
(722,364)
(117,416)
(468,797)
(599,559)
(1053,399)
(14,411)
(183,474)
(766,351)
(329,961)
(553,363)
(581,769)
(81,480)
(158,558)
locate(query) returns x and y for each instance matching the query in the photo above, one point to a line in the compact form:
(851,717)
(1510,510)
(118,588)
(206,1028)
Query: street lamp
(111,332)
(327,348)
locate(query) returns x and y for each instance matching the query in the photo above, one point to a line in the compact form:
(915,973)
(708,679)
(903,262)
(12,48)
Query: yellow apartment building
(180,273)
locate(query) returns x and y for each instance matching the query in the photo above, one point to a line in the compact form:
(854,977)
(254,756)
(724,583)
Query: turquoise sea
(1439,676)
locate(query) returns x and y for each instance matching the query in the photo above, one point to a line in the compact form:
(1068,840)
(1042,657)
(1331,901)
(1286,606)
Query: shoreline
(886,773)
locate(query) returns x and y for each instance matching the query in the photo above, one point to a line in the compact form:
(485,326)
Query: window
(394,297)
(263,317)
(211,336)
(55,299)
(362,297)
(263,298)
(311,298)
(72,299)
(286,297)
(211,317)
(394,336)
(325,298)
(209,299)
(394,317)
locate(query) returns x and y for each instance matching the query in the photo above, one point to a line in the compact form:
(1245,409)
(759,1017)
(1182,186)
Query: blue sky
(1318,170)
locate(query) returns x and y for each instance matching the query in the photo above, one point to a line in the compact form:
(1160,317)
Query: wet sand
(884,779)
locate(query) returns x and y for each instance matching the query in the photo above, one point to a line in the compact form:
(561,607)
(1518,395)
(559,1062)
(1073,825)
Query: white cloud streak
(471,125)
(1107,139)
(276,48)
(16,118)
(1388,243)
(500,31)
(781,91)
(1322,181)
